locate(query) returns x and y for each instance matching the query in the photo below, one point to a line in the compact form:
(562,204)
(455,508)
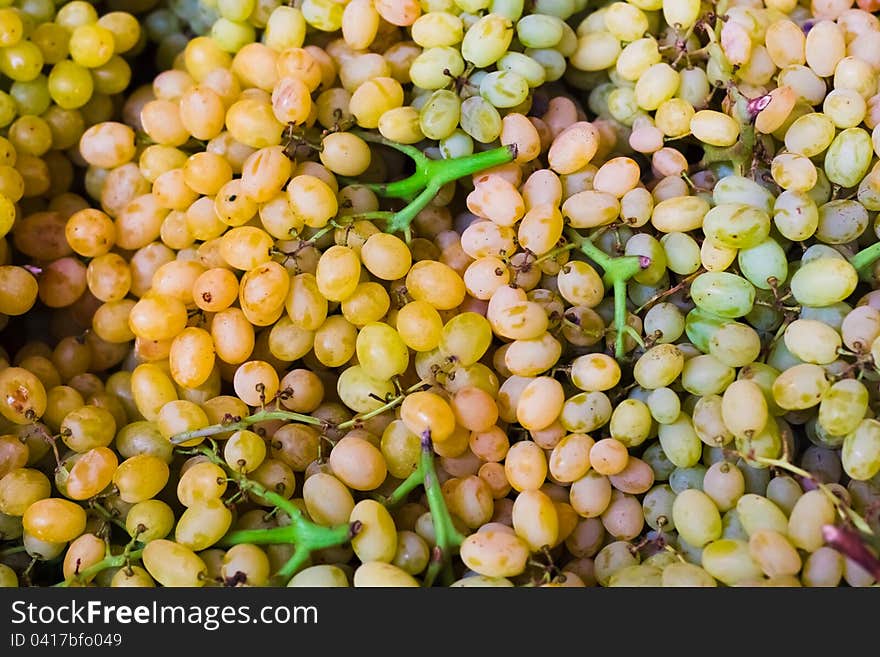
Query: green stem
(740,154)
(618,270)
(13,550)
(290,416)
(299,533)
(866,256)
(416,479)
(243,423)
(115,561)
(306,535)
(843,509)
(297,560)
(429,177)
(448,538)
(108,516)
(552,254)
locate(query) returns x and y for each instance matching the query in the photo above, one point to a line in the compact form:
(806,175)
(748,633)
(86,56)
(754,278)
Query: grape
(241,223)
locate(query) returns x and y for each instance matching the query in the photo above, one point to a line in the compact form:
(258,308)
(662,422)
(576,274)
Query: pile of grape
(439,293)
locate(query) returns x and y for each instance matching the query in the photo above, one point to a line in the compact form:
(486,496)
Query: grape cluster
(472,293)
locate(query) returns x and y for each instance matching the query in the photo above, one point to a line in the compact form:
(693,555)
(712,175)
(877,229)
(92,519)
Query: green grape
(729,561)
(8,109)
(657,459)
(706,375)
(74,14)
(437,28)
(767,443)
(841,221)
(630,422)
(70,85)
(657,507)
(623,106)
(736,226)
(552,61)
(664,405)
(523,65)
(236,10)
(173,564)
(232,36)
(480,119)
(458,144)
(860,454)
(91,45)
(160,23)
(742,190)
(436,67)
(381,351)
(32,97)
(763,262)
(361,392)
(440,115)
(735,344)
(560,8)
(823,282)
(843,406)
(510,9)
(812,341)
(811,511)
(849,157)
(723,294)
(687,575)
(466,337)
(680,442)
(486,41)
(757,513)
(38,10)
(696,518)
(539,31)
(795,215)
(682,253)
(504,88)
(113,77)
(613,558)
(664,322)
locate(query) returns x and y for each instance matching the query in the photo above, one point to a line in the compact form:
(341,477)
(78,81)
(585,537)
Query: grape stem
(866,257)
(110,561)
(846,513)
(447,538)
(618,270)
(429,177)
(849,543)
(304,534)
(741,154)
(236,424)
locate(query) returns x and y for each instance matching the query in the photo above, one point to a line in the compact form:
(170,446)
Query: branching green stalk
(108,515)
(447,538)
(110,561)
(306,535)
(618,270)
(290,416)
(429,177)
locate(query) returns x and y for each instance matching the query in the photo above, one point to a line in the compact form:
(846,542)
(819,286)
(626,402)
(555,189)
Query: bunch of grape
(616,323)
